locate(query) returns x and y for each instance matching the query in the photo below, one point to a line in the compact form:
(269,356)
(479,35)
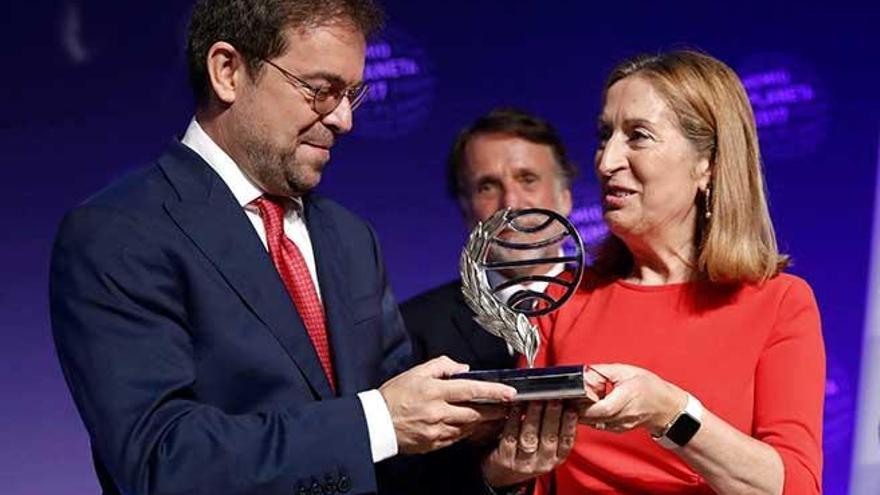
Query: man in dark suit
(221,328)
(506,158)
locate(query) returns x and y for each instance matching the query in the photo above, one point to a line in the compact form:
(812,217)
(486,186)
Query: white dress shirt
(383,440)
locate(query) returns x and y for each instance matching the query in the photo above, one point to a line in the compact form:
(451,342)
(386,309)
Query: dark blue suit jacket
(187,360)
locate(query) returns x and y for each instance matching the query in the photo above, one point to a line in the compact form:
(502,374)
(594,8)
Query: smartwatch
(680,430)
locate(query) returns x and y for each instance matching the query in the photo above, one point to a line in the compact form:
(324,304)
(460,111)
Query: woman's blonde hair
(735,242)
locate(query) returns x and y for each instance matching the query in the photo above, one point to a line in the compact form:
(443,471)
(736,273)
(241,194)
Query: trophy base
(555,383)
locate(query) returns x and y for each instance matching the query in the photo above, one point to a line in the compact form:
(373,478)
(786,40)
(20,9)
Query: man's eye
(485,188)
(324,93)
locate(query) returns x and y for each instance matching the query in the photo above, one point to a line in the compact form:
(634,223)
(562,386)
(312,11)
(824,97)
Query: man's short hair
(515,123)
(256,29)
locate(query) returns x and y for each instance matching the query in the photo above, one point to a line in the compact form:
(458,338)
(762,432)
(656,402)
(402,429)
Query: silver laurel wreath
(491,314)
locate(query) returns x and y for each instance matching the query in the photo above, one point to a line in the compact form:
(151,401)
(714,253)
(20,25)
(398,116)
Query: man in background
(506,159)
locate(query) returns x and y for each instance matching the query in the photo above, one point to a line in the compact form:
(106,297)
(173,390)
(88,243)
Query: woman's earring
(707,194)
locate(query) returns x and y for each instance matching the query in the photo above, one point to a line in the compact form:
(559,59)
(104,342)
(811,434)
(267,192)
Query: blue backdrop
(90,90)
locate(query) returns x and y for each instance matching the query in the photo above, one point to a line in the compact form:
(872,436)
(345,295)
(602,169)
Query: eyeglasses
(326,98)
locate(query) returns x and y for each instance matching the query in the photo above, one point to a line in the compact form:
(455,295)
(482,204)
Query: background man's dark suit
(440,323)
(185,355)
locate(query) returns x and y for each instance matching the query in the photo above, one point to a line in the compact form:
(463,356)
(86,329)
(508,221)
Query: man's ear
(226,71)
(565,203)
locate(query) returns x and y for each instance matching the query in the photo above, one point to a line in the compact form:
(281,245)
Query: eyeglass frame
(355,94)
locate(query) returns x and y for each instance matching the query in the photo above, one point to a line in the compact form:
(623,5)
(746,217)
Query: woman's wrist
(671,405)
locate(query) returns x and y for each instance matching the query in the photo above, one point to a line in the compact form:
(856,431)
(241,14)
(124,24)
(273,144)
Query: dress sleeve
(789,390)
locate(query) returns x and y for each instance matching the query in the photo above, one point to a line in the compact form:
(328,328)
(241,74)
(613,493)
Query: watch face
(684,428)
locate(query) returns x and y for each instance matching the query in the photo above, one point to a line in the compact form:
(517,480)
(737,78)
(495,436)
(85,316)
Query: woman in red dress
(720,367)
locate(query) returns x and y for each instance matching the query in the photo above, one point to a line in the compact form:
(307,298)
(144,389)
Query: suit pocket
(366,308)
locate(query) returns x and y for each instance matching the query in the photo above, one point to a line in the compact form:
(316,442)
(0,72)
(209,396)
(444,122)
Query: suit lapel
(210,216)
(329,263)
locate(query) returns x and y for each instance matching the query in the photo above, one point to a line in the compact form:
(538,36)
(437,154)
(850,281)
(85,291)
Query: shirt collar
(244,190)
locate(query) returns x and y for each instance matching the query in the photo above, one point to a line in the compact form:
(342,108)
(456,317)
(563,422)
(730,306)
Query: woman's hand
(533,442)
(638,398)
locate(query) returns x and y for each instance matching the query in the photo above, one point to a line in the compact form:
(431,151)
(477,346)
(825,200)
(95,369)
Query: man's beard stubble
(276,170)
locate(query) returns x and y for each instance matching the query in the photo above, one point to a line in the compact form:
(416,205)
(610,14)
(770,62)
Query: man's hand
(430,412)
(531,444)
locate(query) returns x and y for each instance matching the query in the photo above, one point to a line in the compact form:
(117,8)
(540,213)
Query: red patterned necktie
(295,273)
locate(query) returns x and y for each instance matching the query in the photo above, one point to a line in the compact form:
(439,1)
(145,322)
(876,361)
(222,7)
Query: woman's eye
(638,135)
